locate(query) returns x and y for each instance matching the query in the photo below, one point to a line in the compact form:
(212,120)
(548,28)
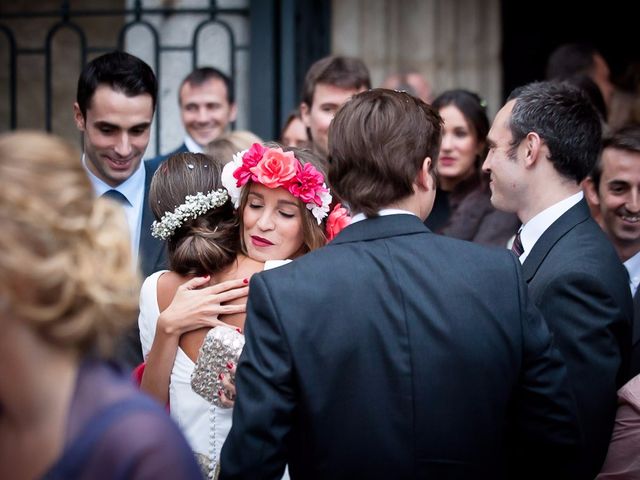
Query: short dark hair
(474,110)
(564,117)
(585,83)
(569,59)
(343,72)
(201,75)
(625,138)
(122,71)
(209,242)
(378,141)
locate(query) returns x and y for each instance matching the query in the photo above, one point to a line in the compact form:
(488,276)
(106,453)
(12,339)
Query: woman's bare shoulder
(168,283)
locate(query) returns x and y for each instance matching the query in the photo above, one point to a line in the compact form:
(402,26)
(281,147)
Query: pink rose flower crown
(275,168)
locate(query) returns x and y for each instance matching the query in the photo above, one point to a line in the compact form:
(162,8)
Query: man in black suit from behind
(394,352)
(542,144)
(115,101)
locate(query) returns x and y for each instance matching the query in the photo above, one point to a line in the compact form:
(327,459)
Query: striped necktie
(516,247)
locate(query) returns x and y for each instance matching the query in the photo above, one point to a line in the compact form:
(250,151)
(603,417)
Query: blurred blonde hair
(223,148)
(65,260)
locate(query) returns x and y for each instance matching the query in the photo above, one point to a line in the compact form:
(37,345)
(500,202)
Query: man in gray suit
(613,190)
(542,144)
(394,352)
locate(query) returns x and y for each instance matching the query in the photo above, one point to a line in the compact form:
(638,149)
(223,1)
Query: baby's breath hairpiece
(193,206)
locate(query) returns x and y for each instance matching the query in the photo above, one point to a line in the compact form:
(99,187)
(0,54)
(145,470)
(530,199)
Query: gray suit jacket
(581,287)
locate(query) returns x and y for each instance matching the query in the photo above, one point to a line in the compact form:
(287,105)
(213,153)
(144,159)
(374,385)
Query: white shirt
(633,267)
(531,231)
(192,145)
(133,190)
(383,213)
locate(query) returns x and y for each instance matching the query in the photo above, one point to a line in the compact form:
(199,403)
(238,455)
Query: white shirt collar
(531,231)
(130,188)
(192,145)
(633,267)
(383,213)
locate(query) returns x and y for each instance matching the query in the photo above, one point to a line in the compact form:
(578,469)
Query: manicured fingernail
(220,377)
(239,330)
(245,281)
(229,365)
(219,393)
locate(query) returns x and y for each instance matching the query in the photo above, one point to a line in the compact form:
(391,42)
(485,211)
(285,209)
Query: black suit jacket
(581,287)
(152,256)
(396,353)
(635,349)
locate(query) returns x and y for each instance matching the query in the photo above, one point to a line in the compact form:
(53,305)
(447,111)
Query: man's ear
(426,178)
(78,117)
(305,113)
(533,148)
(233,112)
(590,193)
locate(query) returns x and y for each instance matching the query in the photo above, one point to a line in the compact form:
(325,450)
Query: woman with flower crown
(282,202)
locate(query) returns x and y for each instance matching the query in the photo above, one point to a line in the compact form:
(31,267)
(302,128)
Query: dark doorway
(532,30)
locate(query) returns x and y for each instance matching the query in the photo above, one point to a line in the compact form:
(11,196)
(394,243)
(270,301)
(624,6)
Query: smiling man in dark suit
(613,189)
(114,107)
(357,362)
(542,144)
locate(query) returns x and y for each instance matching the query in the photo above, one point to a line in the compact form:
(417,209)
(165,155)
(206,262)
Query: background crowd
(421,292)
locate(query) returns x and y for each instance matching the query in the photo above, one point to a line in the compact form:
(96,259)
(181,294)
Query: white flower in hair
(229,181)
(193,207)
(320,212)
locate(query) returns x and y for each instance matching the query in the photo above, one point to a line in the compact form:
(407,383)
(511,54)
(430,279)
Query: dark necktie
(516,247)
(116,196)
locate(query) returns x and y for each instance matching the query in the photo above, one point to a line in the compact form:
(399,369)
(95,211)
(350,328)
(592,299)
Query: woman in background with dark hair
(462,208)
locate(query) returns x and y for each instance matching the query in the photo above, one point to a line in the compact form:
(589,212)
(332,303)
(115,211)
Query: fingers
(228,393)
(225,401)
(214,322)
(228,285)
(229,295)
(195,282)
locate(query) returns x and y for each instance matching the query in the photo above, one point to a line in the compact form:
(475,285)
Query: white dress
(196,417)
(188,409)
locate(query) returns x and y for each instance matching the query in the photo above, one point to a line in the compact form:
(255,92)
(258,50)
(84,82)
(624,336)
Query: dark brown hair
(209,242)
(378,141)
(626,138)
(343,72)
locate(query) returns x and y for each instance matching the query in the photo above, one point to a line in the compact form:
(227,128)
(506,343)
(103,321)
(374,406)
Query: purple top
(116,432)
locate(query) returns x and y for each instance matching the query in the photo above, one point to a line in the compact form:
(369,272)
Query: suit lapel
(636,317)
(150,249)
(558,229)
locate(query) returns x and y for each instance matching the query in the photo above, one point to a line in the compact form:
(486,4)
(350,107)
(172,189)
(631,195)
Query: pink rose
(276,168)
(337,220)
(308,184)
(249,160)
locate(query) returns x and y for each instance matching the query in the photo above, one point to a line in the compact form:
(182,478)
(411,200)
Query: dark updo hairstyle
(474,110)
(209,242)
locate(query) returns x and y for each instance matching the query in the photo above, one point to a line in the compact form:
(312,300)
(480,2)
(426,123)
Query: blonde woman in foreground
(67,291)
